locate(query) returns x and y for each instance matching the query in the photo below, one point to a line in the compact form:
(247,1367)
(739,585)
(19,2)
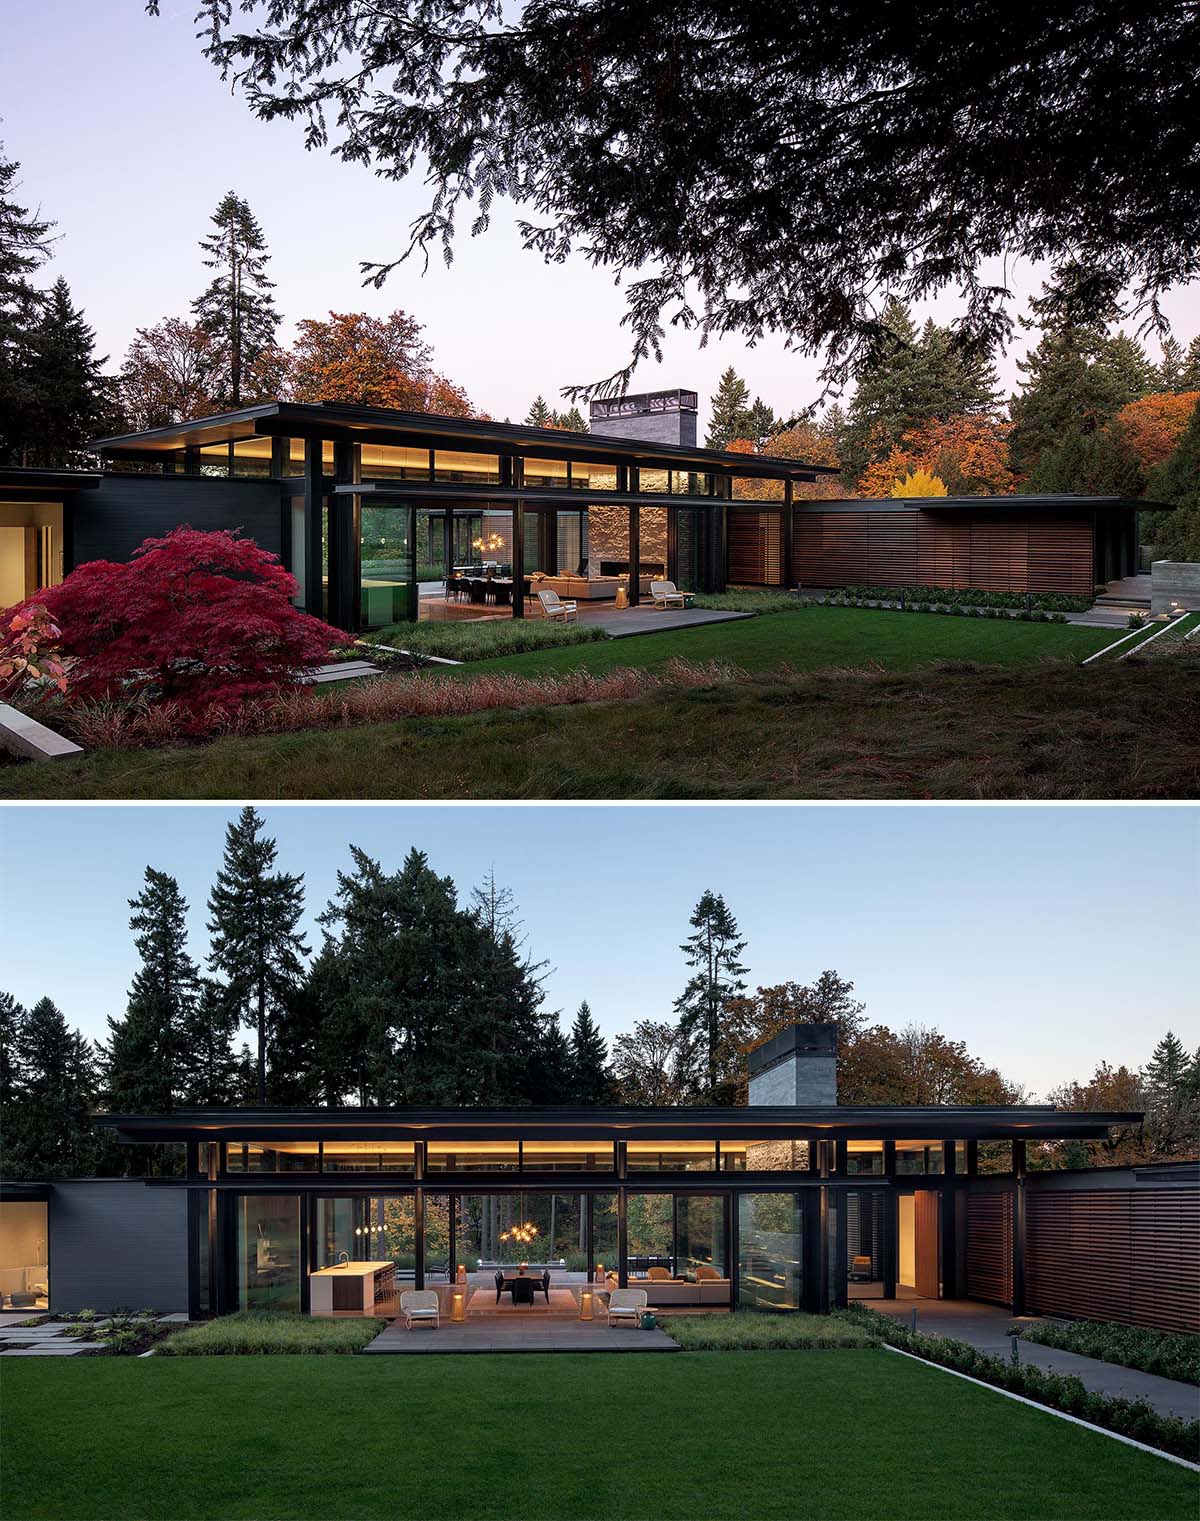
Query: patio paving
(986,1327)
(510,1333)
(624,622)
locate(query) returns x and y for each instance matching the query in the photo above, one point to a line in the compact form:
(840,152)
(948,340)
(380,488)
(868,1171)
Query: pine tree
(539,414)
(237,307)
(1171,1113)
(149,1058)
(730,411)
(762,423)
(1102,463)
(70,398)
(255,945)
(12,1019)
(1171,367)
(590,1080)
(713,951)
(57,1093)
(1124,361)
(24,248)
(573,421)
(219,1076)
(550,1073)
(1189,375)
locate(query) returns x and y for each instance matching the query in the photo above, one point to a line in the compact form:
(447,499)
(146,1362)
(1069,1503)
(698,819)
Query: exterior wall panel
(990,1247)
(117,1244)
(110,522)
(755,548)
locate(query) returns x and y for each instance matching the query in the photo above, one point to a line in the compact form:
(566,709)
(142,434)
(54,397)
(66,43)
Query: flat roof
(355,424)
(958,503)
(754,1122)
(21,478)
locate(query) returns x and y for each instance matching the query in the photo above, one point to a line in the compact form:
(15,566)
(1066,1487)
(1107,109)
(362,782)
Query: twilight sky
(1048,938)
(128,138)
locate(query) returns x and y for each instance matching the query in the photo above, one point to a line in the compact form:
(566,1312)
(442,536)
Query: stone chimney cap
(796,1041)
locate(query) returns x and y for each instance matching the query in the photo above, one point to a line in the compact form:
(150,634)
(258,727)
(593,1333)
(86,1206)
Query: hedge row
(958,596)
(844,599)
(1168,1354)
(1130,1418)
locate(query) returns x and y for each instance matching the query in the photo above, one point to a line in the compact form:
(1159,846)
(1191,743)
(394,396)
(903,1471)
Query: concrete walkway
(986,1327)
(51,1338)
(508,1333)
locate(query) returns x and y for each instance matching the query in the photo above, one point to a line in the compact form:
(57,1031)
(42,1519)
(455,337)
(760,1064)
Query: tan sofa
(586,588)
(675,1293)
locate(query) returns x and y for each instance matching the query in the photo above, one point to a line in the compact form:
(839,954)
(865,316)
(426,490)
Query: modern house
(790,1202)
(363,504)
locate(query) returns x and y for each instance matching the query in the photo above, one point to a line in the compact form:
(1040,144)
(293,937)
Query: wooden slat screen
(990,1247)
(1060,557)
(999,555)
(755,548)
(892,549)
(943,551)
(1129,1255)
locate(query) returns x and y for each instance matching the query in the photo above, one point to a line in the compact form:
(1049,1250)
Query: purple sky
(127,138)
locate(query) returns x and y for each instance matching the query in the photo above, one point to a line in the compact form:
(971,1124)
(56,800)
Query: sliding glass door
(770,1251)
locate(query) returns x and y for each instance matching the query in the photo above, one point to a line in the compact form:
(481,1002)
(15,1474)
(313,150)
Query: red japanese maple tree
(202,619)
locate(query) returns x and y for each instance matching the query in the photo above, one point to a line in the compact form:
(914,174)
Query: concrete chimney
(798,1066)
(654,417)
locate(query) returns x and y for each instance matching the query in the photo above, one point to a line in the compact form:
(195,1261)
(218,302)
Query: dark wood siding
(110,522)
(1129,1255)
(990,1247)
(755,548)
(116,1242)
(996,551)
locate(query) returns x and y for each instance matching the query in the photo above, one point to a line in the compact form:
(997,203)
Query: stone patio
(518,1333)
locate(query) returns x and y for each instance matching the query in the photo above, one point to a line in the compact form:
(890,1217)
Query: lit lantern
(458,1305)
(462,1272)
(599,1272)
(585,1304)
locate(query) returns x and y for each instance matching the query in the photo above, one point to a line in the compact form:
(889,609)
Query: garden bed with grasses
(1136,1419)
(960,596)
(261,1333)
(1168,1354)
(760,1332)
(482,638)
(749,599)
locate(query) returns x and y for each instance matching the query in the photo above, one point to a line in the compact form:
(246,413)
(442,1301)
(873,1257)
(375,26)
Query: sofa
(585,588)
(677,1293)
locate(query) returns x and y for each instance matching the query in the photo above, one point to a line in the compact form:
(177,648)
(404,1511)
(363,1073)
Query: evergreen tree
(12,1019)
(311,1056)
(1175,535)
(713,951)
(539,414)
(219,1076)
(1171,367)
(572,420)
(255,944)
(730,411)
(70,399)
(149,1056)
(1169,1085)
(550,1075)
(57,1093)
(24,248)
(590,1080)
(1102,463)
(762,423)
(237,307)
(1124,361)
(1189,375)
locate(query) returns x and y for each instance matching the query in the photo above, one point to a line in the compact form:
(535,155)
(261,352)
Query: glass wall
(593,477)
(367,1229)
(367,1156)
(268,1251)
(295,457)
(687,548)
(469,469)
(572,534)
(770,1251)
(994,1157)
(649,1233)
(24,1260)
(567,1156)
(864,1242)
(389,571)
(385,462)
(604,1232)
(919,1156)
(544,474)
(670,1156)
(271,1156)
(700,1237)
(654,481)
(506,1229)
(765,1156)
(472,1156)
(864,1157)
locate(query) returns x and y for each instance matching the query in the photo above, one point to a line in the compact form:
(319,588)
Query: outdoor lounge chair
(626,1305)
(420,1305)
(666,594)
(555,608)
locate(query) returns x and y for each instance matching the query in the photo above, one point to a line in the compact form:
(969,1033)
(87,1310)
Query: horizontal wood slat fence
(990,1247)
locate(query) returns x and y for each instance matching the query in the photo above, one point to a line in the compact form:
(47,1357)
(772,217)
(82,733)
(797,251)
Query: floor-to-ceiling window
(687,548)
(31,549)
(389,571)
(367,1228)
(24,1259)
(267,1228)
(770,1251)
(864,1242)
(682,1237)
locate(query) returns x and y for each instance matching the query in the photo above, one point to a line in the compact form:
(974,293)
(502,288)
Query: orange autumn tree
(806,441)
(1154,424)
(371,362)
(970,454)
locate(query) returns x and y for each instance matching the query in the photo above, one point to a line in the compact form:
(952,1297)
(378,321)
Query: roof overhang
(1041,502)
(338,421)
(758,1122)
(46,482)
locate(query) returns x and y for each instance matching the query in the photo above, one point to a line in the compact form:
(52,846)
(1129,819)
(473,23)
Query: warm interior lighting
(525,1233)
(585,1304)
(458,1305)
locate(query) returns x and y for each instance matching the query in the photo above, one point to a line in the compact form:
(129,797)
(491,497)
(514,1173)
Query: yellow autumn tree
(919,483)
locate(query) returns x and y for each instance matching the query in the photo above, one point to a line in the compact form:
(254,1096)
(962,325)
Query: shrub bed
(925,605)
(1131,1418)
(482,638)
(958,596)
(1170,1355)
(262,1333)
(750,600)
(749,1331)
(139,725)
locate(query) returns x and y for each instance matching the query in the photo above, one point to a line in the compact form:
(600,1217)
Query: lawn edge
(1049,1409)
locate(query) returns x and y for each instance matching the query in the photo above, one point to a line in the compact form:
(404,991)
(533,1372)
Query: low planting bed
(261,1333)
(749,599)
(1168,1354)
(483,638)
(747,1331)
(960,596)
(1135,1419)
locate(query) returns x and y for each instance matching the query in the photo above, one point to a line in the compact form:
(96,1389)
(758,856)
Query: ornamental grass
(271,1333)
(761,1332)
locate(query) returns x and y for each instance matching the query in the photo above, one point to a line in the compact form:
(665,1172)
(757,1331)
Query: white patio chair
(420,1305)
(555,608)
(666,594)
(626,1305)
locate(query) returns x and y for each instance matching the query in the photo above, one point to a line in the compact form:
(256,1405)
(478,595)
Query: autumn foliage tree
(371,362)
(805,441)
(1154,424)
(203,620)
(169,374)
(969,453)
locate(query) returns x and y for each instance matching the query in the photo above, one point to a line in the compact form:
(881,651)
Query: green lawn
(817,638)
(834,1434)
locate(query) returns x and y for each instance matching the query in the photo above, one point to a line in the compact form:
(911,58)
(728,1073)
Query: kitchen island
(350,1288)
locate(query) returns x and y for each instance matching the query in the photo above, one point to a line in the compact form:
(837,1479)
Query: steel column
(314,550)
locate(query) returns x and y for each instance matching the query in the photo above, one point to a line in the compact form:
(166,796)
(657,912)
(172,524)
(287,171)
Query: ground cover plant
(748,1331)
(481,638)
(264,1333)
(701,1435)
(951,730)
(1056,602)
(1169,1354)
(1136,1419)
(746,599)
